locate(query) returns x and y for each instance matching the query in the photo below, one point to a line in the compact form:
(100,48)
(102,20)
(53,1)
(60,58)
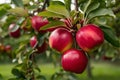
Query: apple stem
(69,22)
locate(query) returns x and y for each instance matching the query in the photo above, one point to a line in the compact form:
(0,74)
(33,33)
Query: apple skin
(34,44)
(15,33)
(61,39)
(74,60)
(89,37)
(38,22)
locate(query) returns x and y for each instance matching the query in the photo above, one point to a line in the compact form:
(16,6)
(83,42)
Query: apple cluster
(62,39)
(88,38)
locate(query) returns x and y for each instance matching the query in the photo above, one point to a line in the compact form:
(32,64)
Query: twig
(46,2)
(76,5)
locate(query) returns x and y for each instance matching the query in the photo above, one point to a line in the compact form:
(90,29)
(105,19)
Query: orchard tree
(75,31)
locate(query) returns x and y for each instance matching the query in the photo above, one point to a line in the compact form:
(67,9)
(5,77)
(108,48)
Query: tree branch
(76,5)
(46,2)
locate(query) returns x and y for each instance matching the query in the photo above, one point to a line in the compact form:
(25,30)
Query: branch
(46,2)
(76,5)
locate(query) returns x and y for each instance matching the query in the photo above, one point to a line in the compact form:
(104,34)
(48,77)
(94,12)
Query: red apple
(61,39)
(38,22)
(89,37)
(14,31)
(8,48)
(74,60)
(34,44)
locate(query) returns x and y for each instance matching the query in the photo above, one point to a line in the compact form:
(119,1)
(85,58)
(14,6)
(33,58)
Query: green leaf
(2,12)
(110,36)
(3,9)
(18,3)
(20,20)
(53,24)
(18,11)
(16,72)
(101,12)
(41,77)
(58,8)
(68,4)
(50,14)
(92,7)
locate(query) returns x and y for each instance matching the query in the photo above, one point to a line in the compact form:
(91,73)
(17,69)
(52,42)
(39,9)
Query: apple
(74,60)
(14,31)
(34,44)
(89,37)
(38,22)
(61,39)
(8,48)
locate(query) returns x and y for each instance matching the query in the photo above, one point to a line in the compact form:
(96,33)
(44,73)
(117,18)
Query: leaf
(18,3)
(92,7)
(20,20)
(50,14)
(58,8)
(53,24)
(41,77)
(110,36)
(18,11)
(68,4)
(2,12)
(3,9)
(101,12)
(16,72)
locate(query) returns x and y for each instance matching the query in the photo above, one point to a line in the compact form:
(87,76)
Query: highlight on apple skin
(89,37)
(38,22)
(14,31)
(34,44)
(61,39)
(74,60)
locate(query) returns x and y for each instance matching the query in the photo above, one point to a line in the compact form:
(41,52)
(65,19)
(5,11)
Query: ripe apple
(89,37)
(14,30)
(8,48)
(38,22)
(34,44)
(74,60)
(61,39)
